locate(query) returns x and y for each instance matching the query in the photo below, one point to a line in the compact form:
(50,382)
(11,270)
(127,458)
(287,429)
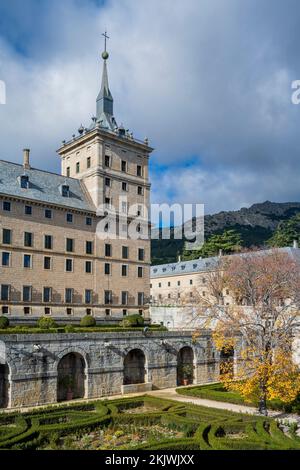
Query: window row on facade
(79,166)
(27,310)
(87,266)
(70,296)
(28,242)
(48,213)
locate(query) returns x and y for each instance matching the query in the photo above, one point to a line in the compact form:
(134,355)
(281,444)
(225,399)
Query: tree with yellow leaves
(260,323)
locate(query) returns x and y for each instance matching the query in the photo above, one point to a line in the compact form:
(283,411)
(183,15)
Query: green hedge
(202,428)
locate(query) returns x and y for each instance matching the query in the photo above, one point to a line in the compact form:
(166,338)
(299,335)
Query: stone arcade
(47,368)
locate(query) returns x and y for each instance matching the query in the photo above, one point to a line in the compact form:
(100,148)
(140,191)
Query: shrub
(133,320)
(4,323)
(88,321)
(46,323)
(69,329)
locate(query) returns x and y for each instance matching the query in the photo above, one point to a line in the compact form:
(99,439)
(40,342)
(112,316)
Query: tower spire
(105,100)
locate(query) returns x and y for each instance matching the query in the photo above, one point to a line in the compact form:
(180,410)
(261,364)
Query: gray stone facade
(34,363)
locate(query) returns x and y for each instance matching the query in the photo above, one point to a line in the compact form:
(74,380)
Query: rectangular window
(88,267)
(88,221)
(138,170)
(107,268)
(27,310)
(89,311)
(88,296)
(27,293)
(6,206)
(48,213)
(5,310)
(140,271)
(141,254)
(69,311)
(6,236)
(48,242)
(124,166)
(77,167)
(69,218)
(108,250)
(178,283)
(124,269)
(139,211)
(107,182)
(47,262)
(5,258)
(125,252)
(107,202)
(47,311)
(47,294)
(169,284)
(28,237)
(88,162)
(124,207)
(124,186)
(124,298)
(124,312)
(107,161)
(70,245)
(28,210)
(89,248)
(5,292)
(69,265)
(68,172)
(191,282)
(68,295)
(107,312)
(27,261)
(140,190)
(140,298)
(108,297)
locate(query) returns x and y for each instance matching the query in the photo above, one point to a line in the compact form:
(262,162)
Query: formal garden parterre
(140,423)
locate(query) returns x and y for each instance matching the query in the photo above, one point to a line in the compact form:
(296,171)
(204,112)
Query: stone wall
(33,362)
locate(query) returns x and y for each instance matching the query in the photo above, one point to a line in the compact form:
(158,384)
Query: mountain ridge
(256,224)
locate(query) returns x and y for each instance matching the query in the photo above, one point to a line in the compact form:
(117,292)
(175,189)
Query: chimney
(26,164)
(295,244)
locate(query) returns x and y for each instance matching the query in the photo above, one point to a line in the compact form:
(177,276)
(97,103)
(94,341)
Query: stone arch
(4,385)
(185,366)
(226,364)
(134,367)
(71,377)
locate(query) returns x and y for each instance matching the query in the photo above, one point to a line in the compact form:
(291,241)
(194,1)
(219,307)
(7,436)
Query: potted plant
(187,371)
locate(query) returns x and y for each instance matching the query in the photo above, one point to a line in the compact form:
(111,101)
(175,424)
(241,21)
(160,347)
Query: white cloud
(205,80)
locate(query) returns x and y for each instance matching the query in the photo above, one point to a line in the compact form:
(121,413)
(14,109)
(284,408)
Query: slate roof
(43,187)
(204,264)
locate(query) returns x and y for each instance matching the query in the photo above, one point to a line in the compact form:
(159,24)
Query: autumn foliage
(260,323)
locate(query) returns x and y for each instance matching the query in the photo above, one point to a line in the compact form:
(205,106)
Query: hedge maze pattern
(199,427)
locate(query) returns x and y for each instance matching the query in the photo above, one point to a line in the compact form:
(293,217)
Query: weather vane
(105,54)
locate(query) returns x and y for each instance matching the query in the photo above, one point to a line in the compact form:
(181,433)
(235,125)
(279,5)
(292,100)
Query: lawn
(218,393)
(140,423)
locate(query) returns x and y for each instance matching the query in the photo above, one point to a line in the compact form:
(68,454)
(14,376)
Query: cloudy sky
(208,81)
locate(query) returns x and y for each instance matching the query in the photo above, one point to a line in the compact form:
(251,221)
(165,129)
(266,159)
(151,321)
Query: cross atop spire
(106,37)
(105,100)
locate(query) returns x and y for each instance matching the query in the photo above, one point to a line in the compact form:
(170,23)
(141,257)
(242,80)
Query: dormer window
(24,182)
(65,190)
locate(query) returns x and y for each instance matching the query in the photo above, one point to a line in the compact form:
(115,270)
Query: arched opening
(134,367)
(71,377)
(227,362)
(185,366)
(4,385)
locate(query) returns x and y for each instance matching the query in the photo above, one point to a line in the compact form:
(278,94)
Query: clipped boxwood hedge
(202,428)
